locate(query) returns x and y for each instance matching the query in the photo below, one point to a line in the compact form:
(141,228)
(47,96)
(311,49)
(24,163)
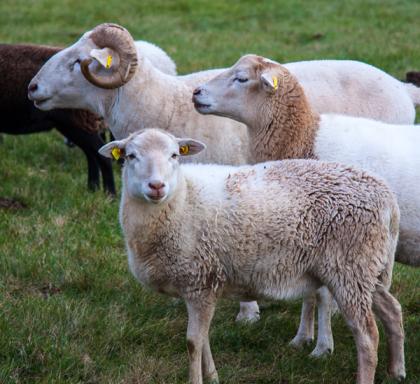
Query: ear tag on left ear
(275,83)
(108,62)
(116,153)
(184,149)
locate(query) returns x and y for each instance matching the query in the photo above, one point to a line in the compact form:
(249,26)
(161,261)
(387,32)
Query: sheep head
(104,58)
(243,90)
(152,162)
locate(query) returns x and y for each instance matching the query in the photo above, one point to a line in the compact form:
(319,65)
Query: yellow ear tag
(108,62)
(116,153)
(275,83)
(184,149)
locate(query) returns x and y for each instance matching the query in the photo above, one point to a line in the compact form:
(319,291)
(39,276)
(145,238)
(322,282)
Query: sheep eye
(174,156)
(131,156)
(240,79)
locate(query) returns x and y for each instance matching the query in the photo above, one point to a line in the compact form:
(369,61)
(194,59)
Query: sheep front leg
(208,367)
(200,314)
(305,334)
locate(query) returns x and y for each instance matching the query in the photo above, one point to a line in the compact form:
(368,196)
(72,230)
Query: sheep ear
(105,56)
(270,81)
(113,150)
(188,147)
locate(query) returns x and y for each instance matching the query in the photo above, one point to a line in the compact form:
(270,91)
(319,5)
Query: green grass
(70,312)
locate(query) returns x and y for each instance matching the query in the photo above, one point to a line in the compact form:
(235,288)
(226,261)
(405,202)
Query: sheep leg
(249,311)
(366,335)
(82,140)
(200,314)
(93,172)
(325,341)
(95,142)
(305,333)
(105,164)
(208,367)
(107,175)
(388,309)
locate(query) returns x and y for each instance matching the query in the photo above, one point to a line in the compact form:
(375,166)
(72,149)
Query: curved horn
(119,39)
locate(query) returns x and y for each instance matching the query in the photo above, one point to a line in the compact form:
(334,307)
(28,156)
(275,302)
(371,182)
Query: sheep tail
(414,93)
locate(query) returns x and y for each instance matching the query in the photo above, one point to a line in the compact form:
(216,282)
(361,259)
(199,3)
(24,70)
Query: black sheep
(18,65)
(413,77)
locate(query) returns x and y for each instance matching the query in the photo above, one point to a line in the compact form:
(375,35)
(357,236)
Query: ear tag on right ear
(116,153)
(184,149)
(108,62)
(275,83)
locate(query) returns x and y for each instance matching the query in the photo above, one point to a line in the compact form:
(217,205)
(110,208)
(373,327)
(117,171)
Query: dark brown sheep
(18,65)
(413,77)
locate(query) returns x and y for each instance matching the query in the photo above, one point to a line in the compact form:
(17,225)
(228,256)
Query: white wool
(157,56)
(389,151)
(354,88)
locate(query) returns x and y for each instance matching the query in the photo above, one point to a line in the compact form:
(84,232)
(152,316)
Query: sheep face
(59,82)
(151,170)
(234,91)
(104,58)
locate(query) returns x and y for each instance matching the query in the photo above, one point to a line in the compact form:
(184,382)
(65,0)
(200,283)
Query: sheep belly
(266,285)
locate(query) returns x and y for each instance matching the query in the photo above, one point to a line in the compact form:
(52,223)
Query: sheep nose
(32,87)
(197,91)
(156,185)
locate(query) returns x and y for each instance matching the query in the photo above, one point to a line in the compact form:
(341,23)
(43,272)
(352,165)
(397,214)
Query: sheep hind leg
(305,333)
(366,335)
(388,309)
(325,340)
(248,312)
(200,314)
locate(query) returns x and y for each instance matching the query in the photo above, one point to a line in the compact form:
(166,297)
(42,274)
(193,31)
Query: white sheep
(145,97)
(273,230)
(157,57)
(282,125)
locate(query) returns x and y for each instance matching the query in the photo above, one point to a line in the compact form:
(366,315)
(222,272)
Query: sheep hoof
(213,378)
(300,341)
(321,351)
(397,373)
(247,317)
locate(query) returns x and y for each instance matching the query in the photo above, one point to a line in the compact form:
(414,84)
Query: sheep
(282,125)
(18,64)
(274,230)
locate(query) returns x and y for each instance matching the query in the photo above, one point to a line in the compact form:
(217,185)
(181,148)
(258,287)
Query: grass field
(70,312)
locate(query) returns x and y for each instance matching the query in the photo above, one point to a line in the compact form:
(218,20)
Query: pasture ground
(70,312)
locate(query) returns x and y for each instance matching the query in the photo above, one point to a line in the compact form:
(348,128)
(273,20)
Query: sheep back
(258,230)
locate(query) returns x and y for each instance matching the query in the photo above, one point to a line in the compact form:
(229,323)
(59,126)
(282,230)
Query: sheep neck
(150,219)
(286,126)
(135,107)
